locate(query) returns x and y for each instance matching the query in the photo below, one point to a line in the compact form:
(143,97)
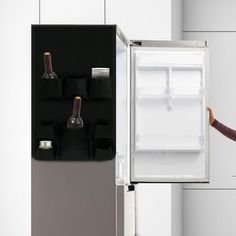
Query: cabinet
(209,15)
(132,18)
(71,12)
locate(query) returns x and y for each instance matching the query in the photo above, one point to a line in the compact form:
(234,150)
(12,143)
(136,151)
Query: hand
(211,115)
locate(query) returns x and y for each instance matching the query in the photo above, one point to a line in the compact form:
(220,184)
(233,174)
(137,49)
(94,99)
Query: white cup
(45,144)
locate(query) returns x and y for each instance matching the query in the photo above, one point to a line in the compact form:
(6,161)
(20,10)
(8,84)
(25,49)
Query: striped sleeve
(226,131)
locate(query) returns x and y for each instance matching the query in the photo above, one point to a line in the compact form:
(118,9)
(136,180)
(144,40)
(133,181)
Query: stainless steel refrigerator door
(169,122)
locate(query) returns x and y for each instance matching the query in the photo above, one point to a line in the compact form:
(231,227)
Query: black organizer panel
(75,50)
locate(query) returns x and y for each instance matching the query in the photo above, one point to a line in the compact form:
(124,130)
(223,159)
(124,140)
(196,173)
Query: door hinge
(131,188)
(136,43)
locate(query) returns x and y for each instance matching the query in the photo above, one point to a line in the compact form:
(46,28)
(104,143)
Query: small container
(100,72)
(45,144)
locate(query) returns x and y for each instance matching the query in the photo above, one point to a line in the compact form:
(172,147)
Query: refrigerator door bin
(182,85)
(156,127)
(151,82)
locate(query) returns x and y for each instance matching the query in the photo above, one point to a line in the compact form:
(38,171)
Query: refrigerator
(158,123)
(163,104)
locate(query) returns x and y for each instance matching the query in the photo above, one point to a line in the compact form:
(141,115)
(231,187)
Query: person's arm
(226,131)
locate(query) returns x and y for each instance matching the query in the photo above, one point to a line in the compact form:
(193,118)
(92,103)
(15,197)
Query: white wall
(157,206)
(209,15)
(16,18)
(222,83)
(209,212)
(72,11)
(148,21)
(176,19)
(209,209)
(141,19)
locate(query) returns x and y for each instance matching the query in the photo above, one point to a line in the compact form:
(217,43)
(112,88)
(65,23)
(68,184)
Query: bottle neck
(47,63)
(77,107)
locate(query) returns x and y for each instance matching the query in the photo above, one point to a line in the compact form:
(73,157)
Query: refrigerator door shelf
(157,124)
(169,129)
(147,143)
(172,82)
(153,97)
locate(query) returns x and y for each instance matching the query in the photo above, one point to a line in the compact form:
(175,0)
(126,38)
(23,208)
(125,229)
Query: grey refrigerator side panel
(73,198)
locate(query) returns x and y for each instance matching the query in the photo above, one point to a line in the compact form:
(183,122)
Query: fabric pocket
(100,88)
(50,88)
(75,87)
(103,130)
(74,144)
(103,150)
(45,154)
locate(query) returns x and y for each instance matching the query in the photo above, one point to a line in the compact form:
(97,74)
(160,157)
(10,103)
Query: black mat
(75,50)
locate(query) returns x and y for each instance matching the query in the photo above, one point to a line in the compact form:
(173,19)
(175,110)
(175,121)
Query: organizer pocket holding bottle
(74,144)
(75,87)
(100,88)
(47,132)
(50,88)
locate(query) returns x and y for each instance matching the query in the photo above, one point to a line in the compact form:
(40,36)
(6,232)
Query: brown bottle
(48,74)
(75,121)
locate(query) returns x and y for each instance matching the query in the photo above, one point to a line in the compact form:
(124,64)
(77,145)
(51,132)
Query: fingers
(209,109)
(211,115)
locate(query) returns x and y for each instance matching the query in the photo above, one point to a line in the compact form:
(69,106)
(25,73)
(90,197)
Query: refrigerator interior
(168,123)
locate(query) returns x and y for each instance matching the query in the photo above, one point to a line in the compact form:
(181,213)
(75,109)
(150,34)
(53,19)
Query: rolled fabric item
(226,131)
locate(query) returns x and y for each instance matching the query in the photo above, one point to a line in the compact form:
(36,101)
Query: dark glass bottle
(75,121)
(48,74)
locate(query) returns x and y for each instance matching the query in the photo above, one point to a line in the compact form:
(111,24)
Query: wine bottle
(75,121)
(48,74)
